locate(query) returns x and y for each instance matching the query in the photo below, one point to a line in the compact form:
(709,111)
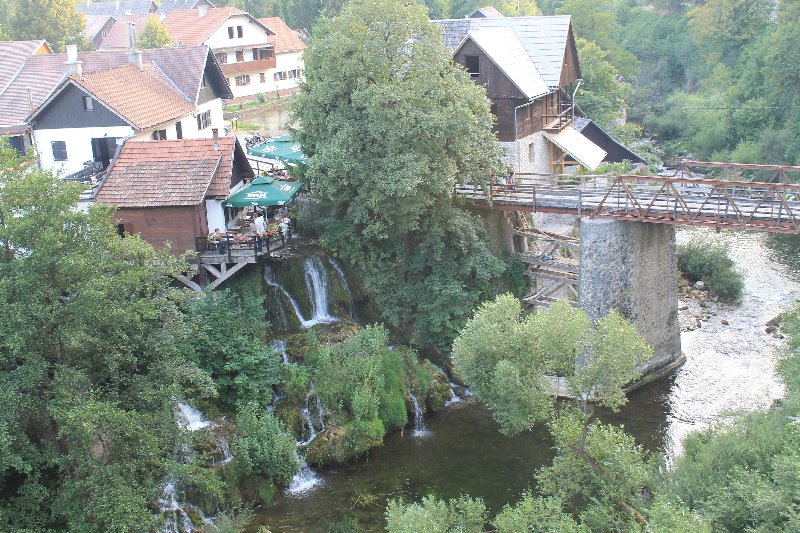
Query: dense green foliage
(262,446)
(506,359)
(432,515)
(709,263)
(95,347)
(739,475)
(90,363)
(365,384)
(56,21)
(230,344)
(743,474)
(390,125)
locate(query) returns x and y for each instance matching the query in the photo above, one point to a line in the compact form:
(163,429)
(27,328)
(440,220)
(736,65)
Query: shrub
(710,263)
(263,447)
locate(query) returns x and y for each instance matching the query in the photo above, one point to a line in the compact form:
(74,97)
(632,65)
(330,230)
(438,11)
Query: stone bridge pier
(632,267)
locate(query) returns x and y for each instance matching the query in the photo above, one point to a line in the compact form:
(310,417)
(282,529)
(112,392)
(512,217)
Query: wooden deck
(721,204)
(216,262)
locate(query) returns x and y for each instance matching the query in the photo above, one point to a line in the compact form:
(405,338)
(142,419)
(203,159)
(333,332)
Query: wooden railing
(235,246)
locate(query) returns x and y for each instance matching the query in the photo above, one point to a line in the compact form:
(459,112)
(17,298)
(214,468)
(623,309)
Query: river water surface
(728,368)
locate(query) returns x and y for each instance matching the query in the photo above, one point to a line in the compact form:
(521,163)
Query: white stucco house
(105,98)
(258,56)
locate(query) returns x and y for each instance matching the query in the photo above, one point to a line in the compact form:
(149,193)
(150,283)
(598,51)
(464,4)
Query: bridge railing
(768,206)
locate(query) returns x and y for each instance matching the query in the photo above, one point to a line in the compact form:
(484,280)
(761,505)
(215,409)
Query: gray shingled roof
(489,12)
(168,6)
(504,48)
(544,38)
(117,7)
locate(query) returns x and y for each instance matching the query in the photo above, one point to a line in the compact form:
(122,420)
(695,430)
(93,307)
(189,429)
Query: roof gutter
(580,81)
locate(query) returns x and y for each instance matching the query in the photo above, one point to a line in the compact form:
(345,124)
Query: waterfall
(304,480)
(317,287)
(419,421)
(280,347)
(345,286)
(308,421)
(320,413)
(454,398)
(227,456)
(176,518)
(190,418)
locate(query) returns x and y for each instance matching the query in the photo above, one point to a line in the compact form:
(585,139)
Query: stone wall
(530,154)
(632,267)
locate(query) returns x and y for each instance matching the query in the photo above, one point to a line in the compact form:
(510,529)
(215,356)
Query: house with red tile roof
(118,36)
(86,106)
(289,49)
(172,191)
(13,55)
(248,49)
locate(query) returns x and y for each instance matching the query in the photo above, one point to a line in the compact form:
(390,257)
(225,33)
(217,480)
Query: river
(728,368)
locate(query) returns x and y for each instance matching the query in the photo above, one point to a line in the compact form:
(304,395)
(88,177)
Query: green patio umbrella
(282,148)
(264,192)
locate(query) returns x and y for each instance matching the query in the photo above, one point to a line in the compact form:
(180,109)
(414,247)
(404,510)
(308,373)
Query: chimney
(201,11)
(88,3)
(215,133)
(73,65)
(134,55)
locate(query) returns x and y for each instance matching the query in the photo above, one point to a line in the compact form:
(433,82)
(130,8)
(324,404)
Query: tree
(154,34)
(511,362)
(92,348)
(725,26)
(604,94)
(56,21)
(390,126)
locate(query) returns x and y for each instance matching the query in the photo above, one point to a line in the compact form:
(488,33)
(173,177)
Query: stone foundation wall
(632,267)
(529,154)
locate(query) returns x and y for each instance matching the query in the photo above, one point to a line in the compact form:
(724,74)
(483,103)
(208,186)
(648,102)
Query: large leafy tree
(510,362)
(390,126)
(56,21)
(91,360)
(154,34)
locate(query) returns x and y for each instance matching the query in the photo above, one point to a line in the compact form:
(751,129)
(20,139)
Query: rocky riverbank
(697,305)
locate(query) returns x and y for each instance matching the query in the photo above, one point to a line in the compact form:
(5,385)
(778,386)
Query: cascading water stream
(316,279)
(176,518)
(345,286)
(280,347)
(304,480)
(419,419)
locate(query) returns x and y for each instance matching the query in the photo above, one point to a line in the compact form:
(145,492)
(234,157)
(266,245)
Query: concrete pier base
(632,267)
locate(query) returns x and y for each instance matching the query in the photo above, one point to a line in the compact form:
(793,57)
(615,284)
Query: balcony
(248,67)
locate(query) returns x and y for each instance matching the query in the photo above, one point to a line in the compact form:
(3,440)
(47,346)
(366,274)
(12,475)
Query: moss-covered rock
(291,417)
(342,444)
(438,389)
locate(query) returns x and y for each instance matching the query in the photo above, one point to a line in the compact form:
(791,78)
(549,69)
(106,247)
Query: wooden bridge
(732,200)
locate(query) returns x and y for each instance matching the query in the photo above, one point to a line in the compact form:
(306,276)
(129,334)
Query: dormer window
(473,64)
(88,103)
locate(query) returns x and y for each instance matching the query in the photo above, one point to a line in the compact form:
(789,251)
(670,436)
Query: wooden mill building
(530,69)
